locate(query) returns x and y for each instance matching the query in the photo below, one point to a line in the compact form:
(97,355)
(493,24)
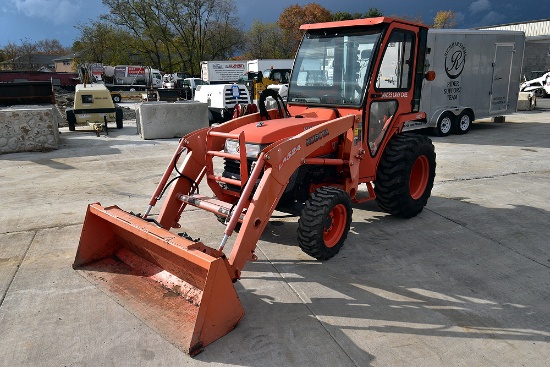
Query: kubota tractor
(353,86)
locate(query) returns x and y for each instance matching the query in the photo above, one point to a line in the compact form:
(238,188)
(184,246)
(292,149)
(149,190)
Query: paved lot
(466,283)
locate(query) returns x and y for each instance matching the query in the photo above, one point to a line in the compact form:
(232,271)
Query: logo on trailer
(455,58)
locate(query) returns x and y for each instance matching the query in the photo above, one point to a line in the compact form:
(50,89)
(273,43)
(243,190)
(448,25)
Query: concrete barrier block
(29,128)
(526,101)
(162,120)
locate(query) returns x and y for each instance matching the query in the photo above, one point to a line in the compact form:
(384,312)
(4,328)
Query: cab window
(395,72)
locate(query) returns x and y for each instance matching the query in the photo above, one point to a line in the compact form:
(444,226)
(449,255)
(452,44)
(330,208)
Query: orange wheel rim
(334,228)
(419,177)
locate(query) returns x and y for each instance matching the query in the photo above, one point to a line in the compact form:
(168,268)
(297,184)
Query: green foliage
(263,41)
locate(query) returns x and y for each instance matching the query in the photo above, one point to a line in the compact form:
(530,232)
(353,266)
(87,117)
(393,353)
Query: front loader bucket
(180,288)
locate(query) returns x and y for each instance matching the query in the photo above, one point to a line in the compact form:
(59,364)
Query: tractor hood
(269,131)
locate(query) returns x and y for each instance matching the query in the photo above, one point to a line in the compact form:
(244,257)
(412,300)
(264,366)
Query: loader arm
(280,162)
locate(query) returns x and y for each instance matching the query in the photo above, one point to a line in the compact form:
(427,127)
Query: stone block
(162,120)
(526,101)
(29,128)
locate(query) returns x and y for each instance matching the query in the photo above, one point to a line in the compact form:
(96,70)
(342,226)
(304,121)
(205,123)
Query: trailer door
(502,69)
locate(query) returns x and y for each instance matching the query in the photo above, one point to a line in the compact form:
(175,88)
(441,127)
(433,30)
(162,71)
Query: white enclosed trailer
(477,76)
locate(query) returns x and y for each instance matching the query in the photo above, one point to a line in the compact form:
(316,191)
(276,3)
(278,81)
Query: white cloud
(480,6)
(58,11)
(493,18)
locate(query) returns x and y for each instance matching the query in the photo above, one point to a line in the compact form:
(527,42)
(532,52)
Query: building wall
(535,59)
(64,66)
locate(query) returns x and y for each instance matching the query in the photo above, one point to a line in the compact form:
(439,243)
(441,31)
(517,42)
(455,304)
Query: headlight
(252,150)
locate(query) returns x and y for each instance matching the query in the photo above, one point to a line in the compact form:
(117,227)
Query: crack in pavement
(18,267)
(493,176)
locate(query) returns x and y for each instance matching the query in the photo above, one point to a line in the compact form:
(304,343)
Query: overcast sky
(36,20)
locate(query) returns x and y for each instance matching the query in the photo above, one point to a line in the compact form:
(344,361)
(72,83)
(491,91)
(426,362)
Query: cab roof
(358,22)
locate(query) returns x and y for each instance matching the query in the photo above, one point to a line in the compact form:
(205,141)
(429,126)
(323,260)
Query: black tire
(464,122)
(119,118)
(324,222)
(211,120)
(405,175)
(445,124)
(71,119)
(116,98)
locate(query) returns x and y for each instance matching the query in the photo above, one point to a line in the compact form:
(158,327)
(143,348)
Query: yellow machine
(93,106)
(257,82)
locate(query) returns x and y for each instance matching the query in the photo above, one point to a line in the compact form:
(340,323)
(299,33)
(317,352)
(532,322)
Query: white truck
(477,76)
(221,100)
(131,78)
(540,86)
(264,64)
(222,72)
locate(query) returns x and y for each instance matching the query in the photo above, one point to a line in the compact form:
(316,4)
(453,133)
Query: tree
(344,15)
(141,19)
(101,42)
(178,34)
(51,47)
(444,19)
(373,13)
(264,41)
(11,53)
(28,51)
(293,17)
(410,18)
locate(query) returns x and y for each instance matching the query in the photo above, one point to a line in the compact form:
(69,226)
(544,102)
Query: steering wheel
(277,97)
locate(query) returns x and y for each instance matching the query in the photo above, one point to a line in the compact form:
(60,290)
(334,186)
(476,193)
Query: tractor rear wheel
(324,223)
(405,175)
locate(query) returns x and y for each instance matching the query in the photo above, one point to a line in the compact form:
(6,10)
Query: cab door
(392,87)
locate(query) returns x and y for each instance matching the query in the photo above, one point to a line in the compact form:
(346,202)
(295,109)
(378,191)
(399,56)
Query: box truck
(222,72)
(264,64)
(477,76)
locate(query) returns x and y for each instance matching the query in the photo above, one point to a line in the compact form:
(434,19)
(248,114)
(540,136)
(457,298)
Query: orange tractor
(353,86)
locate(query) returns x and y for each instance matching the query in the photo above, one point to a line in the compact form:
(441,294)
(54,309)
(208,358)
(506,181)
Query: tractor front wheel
(405,175)
(324,223)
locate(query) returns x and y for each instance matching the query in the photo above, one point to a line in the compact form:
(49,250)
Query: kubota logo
(455,58)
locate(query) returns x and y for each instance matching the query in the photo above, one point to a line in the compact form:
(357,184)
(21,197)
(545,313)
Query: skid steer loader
(341,128)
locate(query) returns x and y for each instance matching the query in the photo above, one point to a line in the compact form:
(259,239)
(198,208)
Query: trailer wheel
(444,124)
(405,175)
(116,98)
(464,122)
(119,118)
(324,222)
(71,119)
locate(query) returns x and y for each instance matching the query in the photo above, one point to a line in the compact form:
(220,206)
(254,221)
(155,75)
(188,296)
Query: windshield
(332,65)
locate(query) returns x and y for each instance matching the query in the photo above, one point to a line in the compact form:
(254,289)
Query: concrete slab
(29,128)
(467,282)
(162,120)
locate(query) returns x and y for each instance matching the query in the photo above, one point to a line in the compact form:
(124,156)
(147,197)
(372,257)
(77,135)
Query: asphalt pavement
(465,283)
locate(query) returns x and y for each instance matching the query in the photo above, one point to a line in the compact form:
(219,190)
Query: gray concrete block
(526,101)
(162,120)
(29,128)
